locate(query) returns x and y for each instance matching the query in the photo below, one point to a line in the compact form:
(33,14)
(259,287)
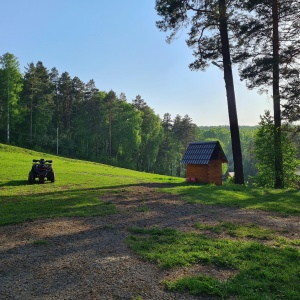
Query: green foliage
(259,271)
(150,135)
(171,149)
(60,114)
(222,134)
(201,20)
(257,38)
(10,89)
(264,154)
(38,106)
(268,48)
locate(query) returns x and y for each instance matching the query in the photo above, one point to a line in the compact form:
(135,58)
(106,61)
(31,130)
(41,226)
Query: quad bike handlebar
(42,161)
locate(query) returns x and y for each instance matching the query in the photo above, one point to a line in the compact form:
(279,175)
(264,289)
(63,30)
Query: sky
(117,44)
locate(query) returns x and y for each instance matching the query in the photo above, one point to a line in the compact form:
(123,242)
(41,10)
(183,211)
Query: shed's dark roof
(202,153)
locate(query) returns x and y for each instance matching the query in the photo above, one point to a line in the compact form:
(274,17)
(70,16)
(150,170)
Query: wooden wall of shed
(211,173)
(197,171)
(215,172)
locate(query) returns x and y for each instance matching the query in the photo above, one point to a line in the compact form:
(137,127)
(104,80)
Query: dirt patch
(86,258)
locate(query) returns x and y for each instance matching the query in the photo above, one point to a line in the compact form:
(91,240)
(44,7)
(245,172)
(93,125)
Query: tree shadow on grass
(284,202)
(14,183)
(21,182)
(55,258)
(88,201)
(72,257)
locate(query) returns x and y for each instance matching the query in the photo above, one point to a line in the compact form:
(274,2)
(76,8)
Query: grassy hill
(76,191)
(79,185)
(266,263)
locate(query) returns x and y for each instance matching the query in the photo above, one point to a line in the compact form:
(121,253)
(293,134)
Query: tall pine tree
(10,89)
(269,49)
(209,35)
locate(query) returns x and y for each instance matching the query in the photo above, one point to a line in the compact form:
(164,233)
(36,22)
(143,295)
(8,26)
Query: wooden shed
(204,162)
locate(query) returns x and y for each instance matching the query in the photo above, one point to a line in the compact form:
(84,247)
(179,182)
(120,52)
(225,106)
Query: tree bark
(8,112)
(232,112)
(279,182)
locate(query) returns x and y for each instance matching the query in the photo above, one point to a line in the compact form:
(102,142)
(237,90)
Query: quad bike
(41,169)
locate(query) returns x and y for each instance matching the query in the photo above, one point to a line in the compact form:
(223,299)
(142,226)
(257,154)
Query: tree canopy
(56,113)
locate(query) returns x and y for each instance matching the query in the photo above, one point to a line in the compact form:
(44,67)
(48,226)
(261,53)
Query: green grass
(250,231)
(40,242)
(77,190)
(241,231)
(80,184)
(263,272)
(266,265)
(285,202)
(142,209)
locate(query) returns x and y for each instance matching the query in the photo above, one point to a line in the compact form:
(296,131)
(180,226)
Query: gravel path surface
(86,258)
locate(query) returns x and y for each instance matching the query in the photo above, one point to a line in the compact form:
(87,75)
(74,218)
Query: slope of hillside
(76,191)
(101,232)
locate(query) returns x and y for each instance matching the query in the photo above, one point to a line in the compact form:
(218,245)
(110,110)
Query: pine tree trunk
(228,77)
(110,133)
(31,119)
(279,182)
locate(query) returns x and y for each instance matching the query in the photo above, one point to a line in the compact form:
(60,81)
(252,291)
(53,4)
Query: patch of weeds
(249,231)
(280,241)
(264,272)
(40,242)
(295,242)
(155,230)
(197,285)
(137,298)
(116,192)
(142,209)
(241,231)
(213,228)
(108,226)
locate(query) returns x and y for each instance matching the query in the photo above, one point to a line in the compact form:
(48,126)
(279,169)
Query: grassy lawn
(80,184)
(76,192)
(286,202)
(262,271)
(266,265)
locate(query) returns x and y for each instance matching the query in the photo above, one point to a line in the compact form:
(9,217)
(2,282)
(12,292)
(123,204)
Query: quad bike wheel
(51,176)
(30,177)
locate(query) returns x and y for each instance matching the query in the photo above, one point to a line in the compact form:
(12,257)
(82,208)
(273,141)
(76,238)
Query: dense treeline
(55,113)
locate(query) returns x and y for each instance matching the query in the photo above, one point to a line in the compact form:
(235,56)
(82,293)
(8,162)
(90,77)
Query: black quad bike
(41,169)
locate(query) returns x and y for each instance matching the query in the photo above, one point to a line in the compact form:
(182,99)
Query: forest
(58,114)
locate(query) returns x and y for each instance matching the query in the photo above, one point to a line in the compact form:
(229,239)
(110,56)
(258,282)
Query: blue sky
(117,44)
